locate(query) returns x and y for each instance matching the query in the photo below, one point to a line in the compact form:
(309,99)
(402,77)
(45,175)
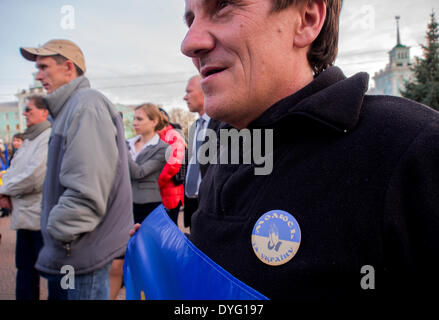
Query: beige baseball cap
(65,48)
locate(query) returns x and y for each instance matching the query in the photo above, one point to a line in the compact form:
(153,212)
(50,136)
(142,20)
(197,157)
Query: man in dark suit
(195,100)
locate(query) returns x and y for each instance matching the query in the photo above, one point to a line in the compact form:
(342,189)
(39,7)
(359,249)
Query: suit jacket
(145,172)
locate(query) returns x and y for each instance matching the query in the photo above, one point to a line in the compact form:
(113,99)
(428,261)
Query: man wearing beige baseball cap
(57,61)
(87,204)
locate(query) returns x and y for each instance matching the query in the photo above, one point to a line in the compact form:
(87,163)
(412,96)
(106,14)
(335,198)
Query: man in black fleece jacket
(350,208)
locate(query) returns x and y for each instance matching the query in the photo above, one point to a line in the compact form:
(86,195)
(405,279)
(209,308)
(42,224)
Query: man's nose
(39,75)
(198,40)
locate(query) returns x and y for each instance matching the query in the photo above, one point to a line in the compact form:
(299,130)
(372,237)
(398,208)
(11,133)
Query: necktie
(194,168)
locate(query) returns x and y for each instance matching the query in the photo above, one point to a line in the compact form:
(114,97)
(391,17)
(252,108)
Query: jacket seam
(398,162)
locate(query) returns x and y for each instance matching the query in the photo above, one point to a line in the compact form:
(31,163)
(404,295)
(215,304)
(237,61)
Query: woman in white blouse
(147,160)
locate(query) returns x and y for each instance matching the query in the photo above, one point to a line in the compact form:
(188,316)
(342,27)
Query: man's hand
(134,229)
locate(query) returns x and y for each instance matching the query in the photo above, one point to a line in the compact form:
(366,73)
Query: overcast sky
(132,47)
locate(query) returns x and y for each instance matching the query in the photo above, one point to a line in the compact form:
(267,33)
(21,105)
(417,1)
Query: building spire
(398,39)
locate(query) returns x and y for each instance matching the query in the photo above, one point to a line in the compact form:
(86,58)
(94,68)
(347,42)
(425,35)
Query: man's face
(194,96)
(245,55)
(34,115)
(51,74)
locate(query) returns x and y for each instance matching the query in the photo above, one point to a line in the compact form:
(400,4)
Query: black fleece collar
(331,99)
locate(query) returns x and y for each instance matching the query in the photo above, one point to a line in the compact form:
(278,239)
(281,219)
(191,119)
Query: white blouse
(132,144)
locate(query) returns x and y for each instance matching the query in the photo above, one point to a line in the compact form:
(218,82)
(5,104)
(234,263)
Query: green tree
(129,129)
(425,86)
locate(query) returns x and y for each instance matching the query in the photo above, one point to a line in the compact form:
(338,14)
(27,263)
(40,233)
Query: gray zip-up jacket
(87,201)
(23,182)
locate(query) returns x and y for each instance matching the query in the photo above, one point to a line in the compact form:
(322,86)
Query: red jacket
(171,193)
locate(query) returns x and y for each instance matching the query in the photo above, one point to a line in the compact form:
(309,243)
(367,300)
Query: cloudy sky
(132,47)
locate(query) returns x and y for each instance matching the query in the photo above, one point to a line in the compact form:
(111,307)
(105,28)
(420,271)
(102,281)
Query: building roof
(9,106)
(400,46)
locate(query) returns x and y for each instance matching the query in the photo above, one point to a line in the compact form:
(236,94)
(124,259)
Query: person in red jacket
(172,194)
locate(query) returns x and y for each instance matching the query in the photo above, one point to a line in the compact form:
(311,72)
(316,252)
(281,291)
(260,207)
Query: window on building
(6,116)
(16,115)
(8,128)
(17,127)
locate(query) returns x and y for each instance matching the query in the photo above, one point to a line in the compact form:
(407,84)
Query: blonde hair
(153,113)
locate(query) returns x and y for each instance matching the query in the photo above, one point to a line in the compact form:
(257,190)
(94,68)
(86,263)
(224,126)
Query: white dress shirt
(132,143)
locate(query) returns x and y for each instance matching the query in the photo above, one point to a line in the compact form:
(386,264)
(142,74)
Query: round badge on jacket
(276,237)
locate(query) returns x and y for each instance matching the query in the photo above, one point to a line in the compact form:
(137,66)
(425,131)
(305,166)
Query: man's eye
(223,4)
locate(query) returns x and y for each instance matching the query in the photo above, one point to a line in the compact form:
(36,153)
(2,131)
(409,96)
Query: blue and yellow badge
(276,237)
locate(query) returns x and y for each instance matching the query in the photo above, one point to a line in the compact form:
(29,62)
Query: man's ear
(46,113)
(70,67)
(312,18)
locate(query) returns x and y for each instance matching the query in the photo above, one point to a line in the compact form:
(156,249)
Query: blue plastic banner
(162,264)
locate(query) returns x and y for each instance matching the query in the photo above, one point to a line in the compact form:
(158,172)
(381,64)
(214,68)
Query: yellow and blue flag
(162,264)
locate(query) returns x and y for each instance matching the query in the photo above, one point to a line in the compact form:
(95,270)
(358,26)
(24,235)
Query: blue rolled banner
(162,264)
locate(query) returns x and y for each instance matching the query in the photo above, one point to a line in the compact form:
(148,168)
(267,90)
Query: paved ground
(7,262)
(7,269)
